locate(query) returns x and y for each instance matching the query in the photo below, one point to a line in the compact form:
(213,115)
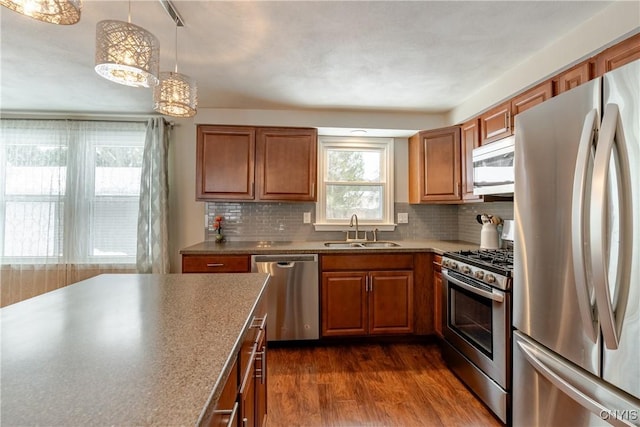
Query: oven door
(477,324)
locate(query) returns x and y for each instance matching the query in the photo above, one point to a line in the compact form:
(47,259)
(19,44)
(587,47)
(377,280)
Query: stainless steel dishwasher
(292,296)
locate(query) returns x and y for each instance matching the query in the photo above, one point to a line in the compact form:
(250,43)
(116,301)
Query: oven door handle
(494,295)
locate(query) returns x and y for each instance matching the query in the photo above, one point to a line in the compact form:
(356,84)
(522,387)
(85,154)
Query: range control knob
(490,278)
(466,269)
(445,263)
(479,274)
(453,265)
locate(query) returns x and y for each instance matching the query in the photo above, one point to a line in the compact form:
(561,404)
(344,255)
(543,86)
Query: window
(354,176)
(70,190)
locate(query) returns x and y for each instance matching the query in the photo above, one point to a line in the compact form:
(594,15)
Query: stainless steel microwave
(493,167)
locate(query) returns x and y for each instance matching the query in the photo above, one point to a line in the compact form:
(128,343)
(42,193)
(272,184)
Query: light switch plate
(403,218)
(306,218)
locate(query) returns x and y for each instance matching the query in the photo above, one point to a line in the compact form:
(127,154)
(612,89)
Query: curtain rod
(80,117)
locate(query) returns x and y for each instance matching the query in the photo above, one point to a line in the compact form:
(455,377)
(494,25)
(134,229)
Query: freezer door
(618,249)
(545,289)
(550,391)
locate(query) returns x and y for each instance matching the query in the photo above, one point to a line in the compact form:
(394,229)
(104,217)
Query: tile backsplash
(468,226)
(283,221)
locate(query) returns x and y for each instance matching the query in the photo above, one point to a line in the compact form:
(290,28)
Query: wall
(615,23)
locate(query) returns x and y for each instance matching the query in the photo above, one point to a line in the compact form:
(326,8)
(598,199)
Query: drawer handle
(230,412)
(215,264)
(259,322)
(261,357)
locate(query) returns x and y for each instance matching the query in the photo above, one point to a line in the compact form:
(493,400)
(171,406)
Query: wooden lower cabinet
(216,263)
(252,395)
(243,402)
(390,302)
(371,301)
(437,295)
(226,412)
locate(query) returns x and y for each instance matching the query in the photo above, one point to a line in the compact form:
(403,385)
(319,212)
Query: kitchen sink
(360,245)
(379,244)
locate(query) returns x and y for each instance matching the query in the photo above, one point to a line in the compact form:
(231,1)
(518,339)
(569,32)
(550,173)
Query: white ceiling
(416,56)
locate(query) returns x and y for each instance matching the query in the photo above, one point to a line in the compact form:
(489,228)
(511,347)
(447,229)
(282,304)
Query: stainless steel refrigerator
(576,292)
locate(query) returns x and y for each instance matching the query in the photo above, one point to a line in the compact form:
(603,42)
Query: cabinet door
(437,295)
(434,166)
(496,123)
(261,379)
(247,393)
(225,163)
(227,408)
(344,304)
(531,98)
(286,164)
(470,133)
(390,302)
(573,77)
(618,55)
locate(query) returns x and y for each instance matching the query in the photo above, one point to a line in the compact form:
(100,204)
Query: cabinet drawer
(367,262)
(215,263)
(227,407)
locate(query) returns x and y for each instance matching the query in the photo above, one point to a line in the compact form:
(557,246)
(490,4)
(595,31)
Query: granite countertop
(124,349)
(266,247)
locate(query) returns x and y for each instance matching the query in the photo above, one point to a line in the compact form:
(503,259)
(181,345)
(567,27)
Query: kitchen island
(125,349)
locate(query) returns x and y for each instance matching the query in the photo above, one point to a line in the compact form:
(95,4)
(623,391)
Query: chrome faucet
(357,238)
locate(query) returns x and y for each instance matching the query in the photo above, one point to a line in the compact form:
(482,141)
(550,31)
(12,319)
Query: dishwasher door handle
(284,258)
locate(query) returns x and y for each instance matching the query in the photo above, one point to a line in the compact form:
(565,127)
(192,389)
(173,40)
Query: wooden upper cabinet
(573,77)
(225,163)
(434,166)
(470,135)
(531,98)
(248,163)
(286,164)
(496,123)
(618,55)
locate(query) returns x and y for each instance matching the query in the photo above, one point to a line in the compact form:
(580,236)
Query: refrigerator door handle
(579,223)
(577,386)
(611,311)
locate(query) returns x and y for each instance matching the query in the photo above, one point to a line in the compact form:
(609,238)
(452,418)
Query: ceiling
(388,56)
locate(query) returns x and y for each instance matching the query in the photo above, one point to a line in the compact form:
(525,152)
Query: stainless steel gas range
(476,293)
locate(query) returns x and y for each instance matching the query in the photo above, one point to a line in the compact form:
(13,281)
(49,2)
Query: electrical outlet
(206,221)
(403,218)
(306,218)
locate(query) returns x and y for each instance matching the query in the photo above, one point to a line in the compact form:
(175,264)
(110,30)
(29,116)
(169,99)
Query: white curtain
(68,202)
(153,235)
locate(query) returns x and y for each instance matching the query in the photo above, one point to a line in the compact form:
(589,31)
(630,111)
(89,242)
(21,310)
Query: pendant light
(177,94)
(126,53)
(62,12)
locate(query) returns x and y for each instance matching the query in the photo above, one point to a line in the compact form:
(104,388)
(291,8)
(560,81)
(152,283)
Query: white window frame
(385,147)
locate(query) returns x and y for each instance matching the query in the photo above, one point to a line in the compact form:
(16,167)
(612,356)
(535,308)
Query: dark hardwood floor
(399,385)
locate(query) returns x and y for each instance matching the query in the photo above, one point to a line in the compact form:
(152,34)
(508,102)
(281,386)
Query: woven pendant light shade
(176,95)
(127,54)
(61,12)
